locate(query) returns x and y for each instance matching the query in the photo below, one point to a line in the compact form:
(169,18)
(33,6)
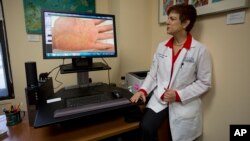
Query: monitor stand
(82,62)
(83,79)
(82,66)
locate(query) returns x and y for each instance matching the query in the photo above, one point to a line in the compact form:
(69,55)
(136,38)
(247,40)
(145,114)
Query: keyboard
(89,103)
(79,101)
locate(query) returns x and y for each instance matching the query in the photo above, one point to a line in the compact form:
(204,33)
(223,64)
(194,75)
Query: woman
(180,73)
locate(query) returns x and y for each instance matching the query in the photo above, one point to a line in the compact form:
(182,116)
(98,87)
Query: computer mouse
(116,94)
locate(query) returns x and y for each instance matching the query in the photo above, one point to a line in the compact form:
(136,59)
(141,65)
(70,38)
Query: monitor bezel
(80,14)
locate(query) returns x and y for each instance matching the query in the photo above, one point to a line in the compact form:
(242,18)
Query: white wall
(228,101)
(138,35)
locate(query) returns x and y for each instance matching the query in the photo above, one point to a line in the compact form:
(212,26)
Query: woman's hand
(169,95)
(137,96)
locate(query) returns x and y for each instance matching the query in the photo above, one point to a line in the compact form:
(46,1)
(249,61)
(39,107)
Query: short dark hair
(186,12)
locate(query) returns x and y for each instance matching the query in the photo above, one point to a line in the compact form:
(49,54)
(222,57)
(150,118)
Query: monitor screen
(78,35)
(6,82)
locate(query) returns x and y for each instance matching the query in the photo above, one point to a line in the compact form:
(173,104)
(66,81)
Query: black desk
(45,112)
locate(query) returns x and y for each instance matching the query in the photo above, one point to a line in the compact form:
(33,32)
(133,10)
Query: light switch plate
(33,38)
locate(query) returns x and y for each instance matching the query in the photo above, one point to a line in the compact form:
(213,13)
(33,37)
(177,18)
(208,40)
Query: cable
(108,70)
(60,83)
(53,69)
(45,75)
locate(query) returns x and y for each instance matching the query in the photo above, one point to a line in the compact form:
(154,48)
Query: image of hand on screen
(73,34)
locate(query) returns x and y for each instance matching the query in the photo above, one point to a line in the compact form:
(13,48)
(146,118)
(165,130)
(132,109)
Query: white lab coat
(191,78)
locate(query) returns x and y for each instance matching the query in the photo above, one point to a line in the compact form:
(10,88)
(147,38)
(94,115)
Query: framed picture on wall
(32,10)
(203,7)
(164,5)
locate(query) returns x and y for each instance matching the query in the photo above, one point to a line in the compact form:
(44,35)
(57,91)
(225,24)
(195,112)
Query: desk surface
(94,131)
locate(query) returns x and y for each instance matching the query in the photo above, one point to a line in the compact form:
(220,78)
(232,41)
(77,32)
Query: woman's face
(174,24)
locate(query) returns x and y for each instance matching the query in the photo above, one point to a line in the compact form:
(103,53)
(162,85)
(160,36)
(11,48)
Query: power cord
(60,83)
(44,76)
(108,69)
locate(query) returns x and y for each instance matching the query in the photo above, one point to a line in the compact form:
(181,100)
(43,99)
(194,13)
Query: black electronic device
(97,97)
(31,74)
(93,106)
(116,94)
(78,36)
(6,80)
(82,102)
(35,96)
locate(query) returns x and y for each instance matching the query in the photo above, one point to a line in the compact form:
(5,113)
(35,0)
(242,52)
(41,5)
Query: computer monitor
(78,35)
(6,81)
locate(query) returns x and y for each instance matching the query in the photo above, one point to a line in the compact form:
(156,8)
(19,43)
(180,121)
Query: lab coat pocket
(186,72)
(186,111)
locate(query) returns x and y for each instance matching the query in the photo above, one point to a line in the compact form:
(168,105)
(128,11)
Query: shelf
(96,66)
